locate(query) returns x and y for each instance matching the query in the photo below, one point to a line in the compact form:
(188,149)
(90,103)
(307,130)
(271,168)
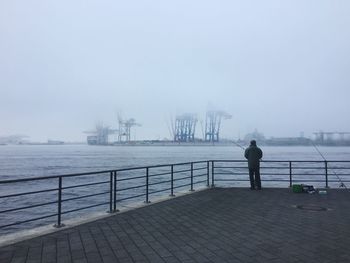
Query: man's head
(253,142)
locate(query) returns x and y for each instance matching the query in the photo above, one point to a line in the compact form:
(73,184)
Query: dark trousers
(254,176)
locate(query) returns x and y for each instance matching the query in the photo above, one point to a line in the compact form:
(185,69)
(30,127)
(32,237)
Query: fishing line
(240,146)
(340,181)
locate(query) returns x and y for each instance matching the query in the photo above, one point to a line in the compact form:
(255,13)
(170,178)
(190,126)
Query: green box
(297,188)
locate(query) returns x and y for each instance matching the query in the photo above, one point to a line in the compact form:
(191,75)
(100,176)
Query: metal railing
(111,187)
(297,171)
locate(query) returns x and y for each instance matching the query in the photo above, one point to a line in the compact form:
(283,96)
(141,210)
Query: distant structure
(332,138)
(12,139)
(185,128)
(55,142)
(255,135)
(213,124)
(287,141)
(100,135)
(124,130)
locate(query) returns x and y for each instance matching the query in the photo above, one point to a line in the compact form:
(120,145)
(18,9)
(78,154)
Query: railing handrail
(112,191)
(281,161)
(93,173)
(114,181)
(158,166)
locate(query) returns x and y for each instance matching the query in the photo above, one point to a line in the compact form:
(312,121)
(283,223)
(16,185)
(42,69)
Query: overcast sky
(282,67)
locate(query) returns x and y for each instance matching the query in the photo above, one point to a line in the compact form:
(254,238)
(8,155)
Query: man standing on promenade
(254,154)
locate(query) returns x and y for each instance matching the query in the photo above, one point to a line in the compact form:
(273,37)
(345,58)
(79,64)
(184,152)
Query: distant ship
(49,142)
(288,141)
(55,142)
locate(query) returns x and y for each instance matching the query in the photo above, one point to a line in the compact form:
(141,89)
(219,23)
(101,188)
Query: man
(254,154)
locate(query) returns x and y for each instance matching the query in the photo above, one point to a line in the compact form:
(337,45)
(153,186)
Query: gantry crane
(213,124)
(185,127)
(124,130)
(100,135)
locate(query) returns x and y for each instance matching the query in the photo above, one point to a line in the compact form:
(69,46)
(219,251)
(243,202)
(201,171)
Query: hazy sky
(279,66)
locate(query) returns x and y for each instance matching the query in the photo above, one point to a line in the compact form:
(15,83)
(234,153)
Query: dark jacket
(253,154)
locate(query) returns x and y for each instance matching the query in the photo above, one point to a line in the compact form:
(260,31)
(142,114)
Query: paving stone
(64,259)
(80,260)
(6,255)
(217,225)
(77,254)
(16,260)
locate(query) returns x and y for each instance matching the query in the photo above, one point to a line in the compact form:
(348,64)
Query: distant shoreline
(184,144)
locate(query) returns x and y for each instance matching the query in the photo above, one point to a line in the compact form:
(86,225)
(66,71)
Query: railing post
(326,170)
(115,192)
(290,174)
(59,204)
(147,175)
(207,173)
(172,180)
(110,192)
(191,177)
(212,174)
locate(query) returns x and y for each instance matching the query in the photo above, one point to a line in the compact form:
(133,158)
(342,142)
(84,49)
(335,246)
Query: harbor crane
(125,126)
(185,127)
(213,124)
(322,136)
(100,135)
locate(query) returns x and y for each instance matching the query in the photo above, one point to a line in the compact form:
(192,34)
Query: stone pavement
(215,225)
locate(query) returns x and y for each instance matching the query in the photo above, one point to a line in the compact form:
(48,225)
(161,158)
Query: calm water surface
(43,160)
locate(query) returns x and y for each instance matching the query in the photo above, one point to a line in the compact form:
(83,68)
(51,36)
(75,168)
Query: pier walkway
(214,225)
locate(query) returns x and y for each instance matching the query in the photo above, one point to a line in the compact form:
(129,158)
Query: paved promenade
(215,225)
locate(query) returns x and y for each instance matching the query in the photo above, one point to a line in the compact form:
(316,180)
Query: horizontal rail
(216,170)
(299,174)
(154,175)
(201,168)
(231,180)
(27,221)
(182,171)
(200,182)
(161,182)
(132,187)
(131,178)
(283,161)
(180,186)
(310,171)
(81,185)
(29,193)
(159,191)
(48,177)
(185,163)
(83,208)
(131,197)
(95,173)
(280,167)
(83,196)
(262,173)
(199,175)
(181,178)
(161,165)
(27,207)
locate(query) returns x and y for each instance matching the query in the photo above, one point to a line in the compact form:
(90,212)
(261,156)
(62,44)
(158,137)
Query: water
(45,160)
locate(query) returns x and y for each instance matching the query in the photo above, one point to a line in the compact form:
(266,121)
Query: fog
(282,67)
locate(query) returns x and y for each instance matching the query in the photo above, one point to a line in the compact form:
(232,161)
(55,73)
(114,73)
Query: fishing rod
(240,146)
(319,152)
